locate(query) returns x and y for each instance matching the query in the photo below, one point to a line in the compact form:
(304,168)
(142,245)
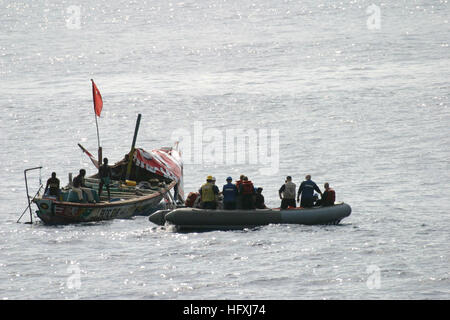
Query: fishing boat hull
(186,219)
(51,211)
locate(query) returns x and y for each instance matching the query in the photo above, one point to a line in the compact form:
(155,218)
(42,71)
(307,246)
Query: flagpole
(96,124)
(98,140)
(98,135)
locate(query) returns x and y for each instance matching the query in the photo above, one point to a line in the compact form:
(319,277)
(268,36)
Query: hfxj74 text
(230,310)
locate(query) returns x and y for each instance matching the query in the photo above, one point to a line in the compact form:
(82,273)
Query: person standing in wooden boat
(123,164)
(78,181)
(79,186)
(52,186)
(104,174)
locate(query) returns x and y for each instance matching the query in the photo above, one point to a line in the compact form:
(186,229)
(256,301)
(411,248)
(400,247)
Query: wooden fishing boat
(139,182)
(154,175)
(126,202)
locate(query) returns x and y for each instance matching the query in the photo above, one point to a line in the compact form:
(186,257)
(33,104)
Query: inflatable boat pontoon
(191,219)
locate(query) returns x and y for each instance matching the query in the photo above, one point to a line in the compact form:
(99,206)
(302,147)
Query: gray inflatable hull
(201,219)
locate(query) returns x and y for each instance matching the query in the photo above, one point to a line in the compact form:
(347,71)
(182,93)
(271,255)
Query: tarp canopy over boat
(164,164)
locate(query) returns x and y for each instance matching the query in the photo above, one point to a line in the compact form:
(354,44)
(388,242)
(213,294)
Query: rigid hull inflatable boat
(202,219)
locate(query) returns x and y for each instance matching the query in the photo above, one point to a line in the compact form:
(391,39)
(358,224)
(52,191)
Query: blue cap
(229,178)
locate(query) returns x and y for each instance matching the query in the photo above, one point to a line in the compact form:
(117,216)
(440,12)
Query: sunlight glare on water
(358,97)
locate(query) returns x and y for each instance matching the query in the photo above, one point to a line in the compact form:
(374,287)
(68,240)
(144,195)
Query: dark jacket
(229,192)
(78,182)
(307,189)
(259,201)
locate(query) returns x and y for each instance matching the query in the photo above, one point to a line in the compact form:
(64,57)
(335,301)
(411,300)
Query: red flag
(97,97)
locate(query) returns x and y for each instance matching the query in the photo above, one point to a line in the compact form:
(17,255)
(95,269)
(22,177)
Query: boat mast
(130,155)
(98,140)
(98,105)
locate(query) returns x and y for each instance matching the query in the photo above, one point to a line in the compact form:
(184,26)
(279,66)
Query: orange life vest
(190,200)
(331,197)
(247,187)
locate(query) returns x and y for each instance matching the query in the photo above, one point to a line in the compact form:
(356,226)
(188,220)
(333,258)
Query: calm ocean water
(356,93)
